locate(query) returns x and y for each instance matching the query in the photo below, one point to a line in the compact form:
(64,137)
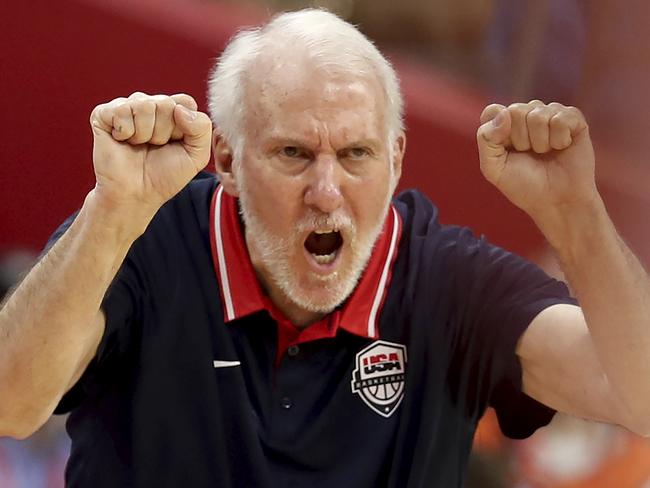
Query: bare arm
(614,292)
(597,358)
(594,362)
(52,324)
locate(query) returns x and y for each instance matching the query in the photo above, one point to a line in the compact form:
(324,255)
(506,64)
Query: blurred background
(59,59)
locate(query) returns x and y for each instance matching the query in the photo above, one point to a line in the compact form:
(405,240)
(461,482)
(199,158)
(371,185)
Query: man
(342,339)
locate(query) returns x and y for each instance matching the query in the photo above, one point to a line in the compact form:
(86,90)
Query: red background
(60,59)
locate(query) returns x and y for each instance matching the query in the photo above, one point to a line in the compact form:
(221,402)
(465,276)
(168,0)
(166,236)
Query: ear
(223,159)
(399,148)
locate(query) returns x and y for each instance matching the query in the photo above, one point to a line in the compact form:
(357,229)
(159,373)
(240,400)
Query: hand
(147,148)
(539,156)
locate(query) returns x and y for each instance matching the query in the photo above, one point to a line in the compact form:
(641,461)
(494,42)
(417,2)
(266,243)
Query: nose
(324,190)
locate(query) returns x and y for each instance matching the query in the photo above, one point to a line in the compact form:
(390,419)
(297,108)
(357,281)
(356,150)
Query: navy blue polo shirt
(199,380)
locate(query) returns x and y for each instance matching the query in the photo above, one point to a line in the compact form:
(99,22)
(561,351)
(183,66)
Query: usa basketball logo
(379,376)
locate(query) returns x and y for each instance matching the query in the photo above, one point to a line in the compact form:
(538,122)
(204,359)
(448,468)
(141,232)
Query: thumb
(493,137)
(197,134)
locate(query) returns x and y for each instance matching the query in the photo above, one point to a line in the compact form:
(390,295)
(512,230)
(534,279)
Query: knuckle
(107,108)
(576,112)
(185,100)
(165,105)
(537,116)
(535,103)
(122,110)
(116,101)
(143,106)
(517,107)
(563,120)
(489,111)
(518,111)
(493,107)
(558,120)
(96,112)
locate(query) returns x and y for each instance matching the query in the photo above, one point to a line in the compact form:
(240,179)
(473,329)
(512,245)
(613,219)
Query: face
(314,181)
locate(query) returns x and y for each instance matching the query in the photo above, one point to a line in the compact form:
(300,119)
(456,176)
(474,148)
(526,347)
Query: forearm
(614,293)
(50,326)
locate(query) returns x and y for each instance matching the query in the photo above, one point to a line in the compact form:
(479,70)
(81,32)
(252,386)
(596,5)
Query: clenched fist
(539,156)
(147,148)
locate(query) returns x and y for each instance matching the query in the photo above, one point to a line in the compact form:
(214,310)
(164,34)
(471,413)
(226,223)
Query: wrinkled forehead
(290,89)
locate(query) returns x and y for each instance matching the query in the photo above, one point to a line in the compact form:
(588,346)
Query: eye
(292,152)
(356,153)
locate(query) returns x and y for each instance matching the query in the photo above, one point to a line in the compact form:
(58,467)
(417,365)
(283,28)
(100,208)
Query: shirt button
(293,351)
(286,403)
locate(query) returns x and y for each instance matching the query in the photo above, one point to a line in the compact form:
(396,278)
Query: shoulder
(197,193)
(422,230)
(434,259)
(180,228)
(174,248)
(454,255)
(188,208)
(191,204)
(418,213)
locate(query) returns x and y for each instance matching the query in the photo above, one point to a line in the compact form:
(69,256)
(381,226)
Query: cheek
(370,204)
(375,190)
(272,199)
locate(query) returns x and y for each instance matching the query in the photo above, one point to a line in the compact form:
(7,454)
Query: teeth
(324,258)
(320,231)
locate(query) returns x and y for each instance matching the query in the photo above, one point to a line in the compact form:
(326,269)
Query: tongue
(323,244)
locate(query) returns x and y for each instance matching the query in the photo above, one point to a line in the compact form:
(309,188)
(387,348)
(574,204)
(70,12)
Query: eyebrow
(275,141)
(287,141)
(371,143)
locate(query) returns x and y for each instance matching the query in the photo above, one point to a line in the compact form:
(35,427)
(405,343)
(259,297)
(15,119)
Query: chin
(321,295)
(317,304)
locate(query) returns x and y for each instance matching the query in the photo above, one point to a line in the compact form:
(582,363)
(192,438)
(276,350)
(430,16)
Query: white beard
(322,294)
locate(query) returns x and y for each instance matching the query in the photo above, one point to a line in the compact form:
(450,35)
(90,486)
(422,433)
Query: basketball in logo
(379,376)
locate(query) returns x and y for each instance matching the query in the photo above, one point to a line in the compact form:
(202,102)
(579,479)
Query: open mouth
(324,245)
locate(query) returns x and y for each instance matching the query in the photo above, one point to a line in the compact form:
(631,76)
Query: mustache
(319,220)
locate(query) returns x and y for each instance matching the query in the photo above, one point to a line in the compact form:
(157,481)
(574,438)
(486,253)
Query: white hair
(334,44)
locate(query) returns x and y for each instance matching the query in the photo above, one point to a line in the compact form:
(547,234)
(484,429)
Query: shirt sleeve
(498,295)
(141,296)
(122,307)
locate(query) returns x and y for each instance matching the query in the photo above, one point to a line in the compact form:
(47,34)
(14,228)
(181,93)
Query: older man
(291,324)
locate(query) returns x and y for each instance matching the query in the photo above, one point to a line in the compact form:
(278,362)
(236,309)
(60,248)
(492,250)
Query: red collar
(241,293)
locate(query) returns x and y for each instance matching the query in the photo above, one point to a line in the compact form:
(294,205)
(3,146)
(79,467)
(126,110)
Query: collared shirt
(242,294)
(186,388)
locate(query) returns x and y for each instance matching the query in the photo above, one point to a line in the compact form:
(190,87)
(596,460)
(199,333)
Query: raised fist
(539,156)
(147,148)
